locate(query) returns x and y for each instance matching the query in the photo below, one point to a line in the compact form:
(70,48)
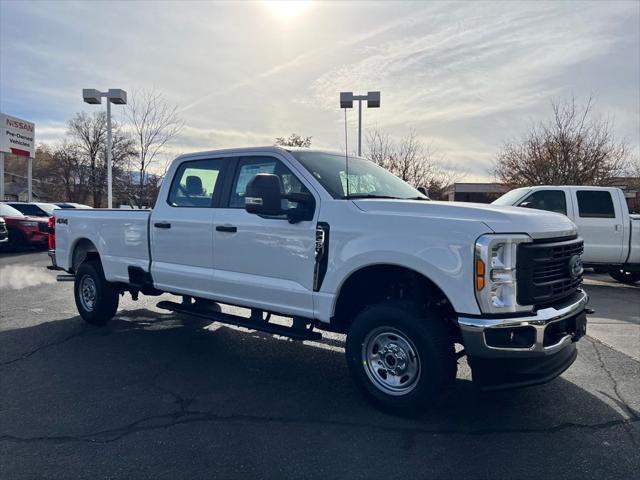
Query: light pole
(94,97)
(346,101)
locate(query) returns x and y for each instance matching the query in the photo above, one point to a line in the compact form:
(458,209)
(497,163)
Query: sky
(464,76)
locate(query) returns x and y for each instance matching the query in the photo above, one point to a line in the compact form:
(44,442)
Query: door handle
(227,228)
(162,225)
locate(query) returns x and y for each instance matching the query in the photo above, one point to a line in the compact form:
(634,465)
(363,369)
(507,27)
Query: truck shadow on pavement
(174,358)
(156,370)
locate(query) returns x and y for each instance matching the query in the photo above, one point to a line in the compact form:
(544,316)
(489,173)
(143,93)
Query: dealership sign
(17,136)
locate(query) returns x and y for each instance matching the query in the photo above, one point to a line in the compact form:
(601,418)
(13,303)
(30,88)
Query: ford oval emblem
(575,266)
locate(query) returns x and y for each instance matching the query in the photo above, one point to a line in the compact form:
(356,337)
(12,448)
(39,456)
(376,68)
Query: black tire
(624,276)
(421,332)
(104,305)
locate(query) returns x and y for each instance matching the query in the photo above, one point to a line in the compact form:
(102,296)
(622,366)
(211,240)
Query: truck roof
(263,148)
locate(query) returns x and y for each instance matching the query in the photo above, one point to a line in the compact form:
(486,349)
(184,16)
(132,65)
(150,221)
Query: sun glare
(287,9)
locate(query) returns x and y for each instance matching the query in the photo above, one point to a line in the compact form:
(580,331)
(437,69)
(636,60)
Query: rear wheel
(625,276)
(400,358)
(96,298)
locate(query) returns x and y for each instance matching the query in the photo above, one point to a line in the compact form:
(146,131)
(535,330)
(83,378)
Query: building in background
(16,189)
(475,192)
(631,188)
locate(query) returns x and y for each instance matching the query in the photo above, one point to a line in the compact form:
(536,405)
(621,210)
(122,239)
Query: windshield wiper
(368,195)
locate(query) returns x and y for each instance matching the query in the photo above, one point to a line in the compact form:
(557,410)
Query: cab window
(595,204)
(550,200)
(249,167)
(195,183)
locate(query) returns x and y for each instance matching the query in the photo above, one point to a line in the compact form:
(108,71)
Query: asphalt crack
(184,417)
(44,347)
(619,400)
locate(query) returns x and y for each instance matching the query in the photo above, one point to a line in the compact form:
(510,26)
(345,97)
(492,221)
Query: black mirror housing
(263,194)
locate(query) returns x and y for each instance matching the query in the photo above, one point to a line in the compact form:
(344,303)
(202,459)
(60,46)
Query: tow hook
(589,311)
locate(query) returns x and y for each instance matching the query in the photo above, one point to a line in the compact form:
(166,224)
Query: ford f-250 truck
(610,233)
(343,245)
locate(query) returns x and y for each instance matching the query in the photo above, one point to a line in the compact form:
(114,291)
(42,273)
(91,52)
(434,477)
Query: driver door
(264,262)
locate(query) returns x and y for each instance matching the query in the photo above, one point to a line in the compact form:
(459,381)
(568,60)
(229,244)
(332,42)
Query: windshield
(29,209)
(366,179)
(8,211)
(512,197)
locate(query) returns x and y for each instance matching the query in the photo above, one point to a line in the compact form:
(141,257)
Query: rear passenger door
(599,222)
(182,228)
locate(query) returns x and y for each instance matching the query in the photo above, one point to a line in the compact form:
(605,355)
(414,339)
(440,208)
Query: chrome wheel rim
(391,361)
(88,293)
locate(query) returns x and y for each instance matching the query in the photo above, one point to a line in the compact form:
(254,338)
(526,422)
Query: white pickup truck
(611,234)
(344,247)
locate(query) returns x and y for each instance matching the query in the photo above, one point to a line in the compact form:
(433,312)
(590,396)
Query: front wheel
(625,276)
(400,358)
(96,298)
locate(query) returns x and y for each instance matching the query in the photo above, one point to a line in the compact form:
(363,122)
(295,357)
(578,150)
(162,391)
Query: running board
(295,333)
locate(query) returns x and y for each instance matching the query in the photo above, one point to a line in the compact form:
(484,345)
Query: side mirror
(424,191)
(262,195)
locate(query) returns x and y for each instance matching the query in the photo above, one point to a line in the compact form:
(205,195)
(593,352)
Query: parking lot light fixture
(373,101)
(94,97)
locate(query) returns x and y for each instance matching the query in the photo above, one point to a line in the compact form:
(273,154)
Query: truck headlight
(495,281)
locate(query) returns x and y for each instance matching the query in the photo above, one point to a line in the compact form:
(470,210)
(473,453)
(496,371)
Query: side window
(195,183)
(249,167)
(550,200)
(595,204)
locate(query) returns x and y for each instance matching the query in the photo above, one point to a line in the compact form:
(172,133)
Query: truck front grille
(544,270)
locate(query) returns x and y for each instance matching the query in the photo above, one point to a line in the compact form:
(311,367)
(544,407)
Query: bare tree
(411,160)
(573,148)
(89,133)
(294,140)
(69,171)
(155,123)
(633,169)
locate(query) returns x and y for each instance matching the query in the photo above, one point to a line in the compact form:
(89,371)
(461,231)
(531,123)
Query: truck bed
(121,237)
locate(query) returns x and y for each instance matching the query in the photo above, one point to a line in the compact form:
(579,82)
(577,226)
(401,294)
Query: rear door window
(195,183)
(595,204)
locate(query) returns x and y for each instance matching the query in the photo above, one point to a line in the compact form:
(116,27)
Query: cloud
(465,76)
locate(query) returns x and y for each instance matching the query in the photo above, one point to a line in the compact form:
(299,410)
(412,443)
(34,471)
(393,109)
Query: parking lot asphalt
(158,395)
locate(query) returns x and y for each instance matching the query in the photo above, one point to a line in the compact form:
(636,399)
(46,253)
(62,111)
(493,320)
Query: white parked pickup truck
(344,247)
(611,235)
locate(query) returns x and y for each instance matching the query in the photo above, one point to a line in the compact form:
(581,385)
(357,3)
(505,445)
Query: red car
(24,230)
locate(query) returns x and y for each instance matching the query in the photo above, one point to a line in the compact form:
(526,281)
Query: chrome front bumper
(474,328)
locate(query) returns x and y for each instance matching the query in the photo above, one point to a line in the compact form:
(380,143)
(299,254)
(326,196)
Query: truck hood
(500,219)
